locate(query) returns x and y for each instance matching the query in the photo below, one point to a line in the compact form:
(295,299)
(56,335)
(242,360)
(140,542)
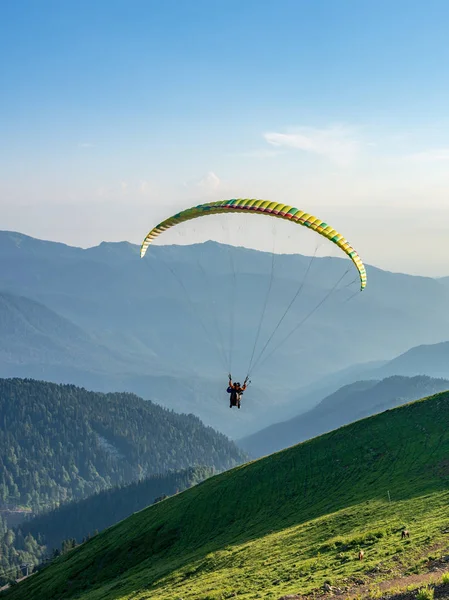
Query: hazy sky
(115,114)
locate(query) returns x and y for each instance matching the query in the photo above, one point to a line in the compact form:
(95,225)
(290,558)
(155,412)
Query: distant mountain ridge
(347,405)
(428,359)
(137,331)
(31,333)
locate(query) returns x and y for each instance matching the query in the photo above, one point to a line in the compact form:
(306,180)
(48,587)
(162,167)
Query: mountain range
(161,327)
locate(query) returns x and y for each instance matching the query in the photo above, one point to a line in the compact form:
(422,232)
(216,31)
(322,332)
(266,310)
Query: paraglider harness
(236,391)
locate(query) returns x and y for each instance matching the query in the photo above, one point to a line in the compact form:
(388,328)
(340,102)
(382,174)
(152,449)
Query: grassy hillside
(346,405)
(284,524)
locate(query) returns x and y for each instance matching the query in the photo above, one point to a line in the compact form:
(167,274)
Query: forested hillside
(82,518)
(61,442)
(17,549)
(40,539)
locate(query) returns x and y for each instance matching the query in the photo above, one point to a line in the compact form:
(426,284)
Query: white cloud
(144,187)
(337,143)
(435,155)
(210,182)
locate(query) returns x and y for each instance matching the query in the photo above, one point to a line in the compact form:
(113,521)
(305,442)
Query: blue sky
(114,114)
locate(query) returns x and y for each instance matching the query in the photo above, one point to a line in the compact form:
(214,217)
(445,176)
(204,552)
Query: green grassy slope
(283,524)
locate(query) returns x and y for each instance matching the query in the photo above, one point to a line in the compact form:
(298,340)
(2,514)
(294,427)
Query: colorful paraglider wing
(262,207)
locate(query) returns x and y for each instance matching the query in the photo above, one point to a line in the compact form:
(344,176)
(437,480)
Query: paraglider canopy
(263,207)
(275,210)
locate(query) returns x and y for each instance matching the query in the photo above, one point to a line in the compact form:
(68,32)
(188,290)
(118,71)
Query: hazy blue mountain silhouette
(147,335)
(348,404)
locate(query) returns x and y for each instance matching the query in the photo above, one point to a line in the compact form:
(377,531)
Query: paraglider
(279,211)
(236,391)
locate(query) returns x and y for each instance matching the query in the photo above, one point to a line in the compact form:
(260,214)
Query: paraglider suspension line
(263,312)
(194,308)
(298,291)
(233,291)
(220,345)
(330,292)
